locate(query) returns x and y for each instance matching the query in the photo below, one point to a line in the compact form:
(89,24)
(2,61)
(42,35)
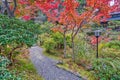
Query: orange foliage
(65,12)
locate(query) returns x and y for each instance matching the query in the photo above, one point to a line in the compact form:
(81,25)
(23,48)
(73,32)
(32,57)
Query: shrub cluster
(6,74)
(106,69)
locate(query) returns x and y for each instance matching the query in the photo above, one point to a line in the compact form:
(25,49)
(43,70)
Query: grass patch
(54,54)
(24,66)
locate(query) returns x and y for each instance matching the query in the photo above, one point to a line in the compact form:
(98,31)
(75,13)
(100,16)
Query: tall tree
(8,6)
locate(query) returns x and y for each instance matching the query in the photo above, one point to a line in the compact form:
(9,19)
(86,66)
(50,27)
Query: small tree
(15,33)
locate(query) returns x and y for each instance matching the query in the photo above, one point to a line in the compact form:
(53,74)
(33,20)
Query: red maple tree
(66,16)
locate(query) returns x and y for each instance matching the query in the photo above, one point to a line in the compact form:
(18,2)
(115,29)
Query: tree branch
(95,12)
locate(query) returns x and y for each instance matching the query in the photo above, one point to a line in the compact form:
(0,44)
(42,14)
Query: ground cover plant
(5,73)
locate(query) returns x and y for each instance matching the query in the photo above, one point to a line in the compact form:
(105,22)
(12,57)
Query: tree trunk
(73,49)
(0,49)
(10,54)
(64,45)
(7,8)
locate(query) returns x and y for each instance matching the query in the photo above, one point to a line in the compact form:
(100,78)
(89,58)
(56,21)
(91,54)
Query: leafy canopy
(14,31)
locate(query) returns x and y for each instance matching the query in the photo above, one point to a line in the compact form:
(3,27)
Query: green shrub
(16,33)
(6,74)
(82,48)
(49,44)
(68,40)
(109,49)
(45,31)
(106,69)
(113,44)
(58,38)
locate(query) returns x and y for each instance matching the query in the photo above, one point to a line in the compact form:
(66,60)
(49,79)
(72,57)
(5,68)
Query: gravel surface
(46,66)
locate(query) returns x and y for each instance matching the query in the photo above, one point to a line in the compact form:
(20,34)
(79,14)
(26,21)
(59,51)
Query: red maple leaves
(23,2)
(66,13)
(26,17)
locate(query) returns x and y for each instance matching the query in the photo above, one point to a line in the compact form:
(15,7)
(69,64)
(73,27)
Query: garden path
(46,67)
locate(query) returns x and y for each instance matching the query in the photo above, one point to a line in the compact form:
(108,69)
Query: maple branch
(73,28)
(95,12)
(79,28)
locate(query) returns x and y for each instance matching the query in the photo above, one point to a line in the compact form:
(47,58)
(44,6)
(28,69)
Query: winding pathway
(46,67)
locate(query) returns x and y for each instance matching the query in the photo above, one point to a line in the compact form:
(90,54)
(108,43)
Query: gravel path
(46,66)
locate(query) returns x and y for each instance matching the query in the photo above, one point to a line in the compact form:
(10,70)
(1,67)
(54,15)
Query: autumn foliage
(66,13)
